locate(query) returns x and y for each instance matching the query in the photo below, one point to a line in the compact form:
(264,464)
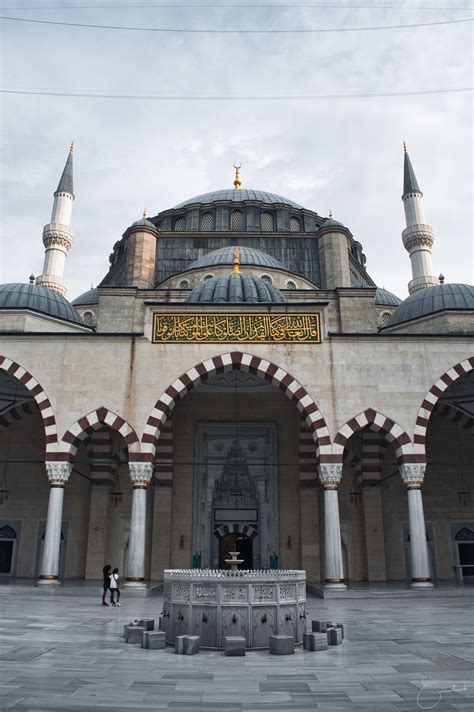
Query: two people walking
(111,583)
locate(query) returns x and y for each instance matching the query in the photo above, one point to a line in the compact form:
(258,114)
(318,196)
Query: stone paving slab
(392,648)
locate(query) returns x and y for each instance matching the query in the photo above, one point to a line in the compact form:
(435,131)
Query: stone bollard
(179,644)
(341,627)
(315,641)
(147,623)
(334,636)
(153,640)
(191,644)
(234,645)
(133,633)
(282,645)
(320,626)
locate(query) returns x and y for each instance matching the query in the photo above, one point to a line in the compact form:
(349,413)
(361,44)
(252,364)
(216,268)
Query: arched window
(207,276)
(386,317)
(236,220)
(207,222)
(291,285)
(295,224)
(266,222)
(88,318)
(184,284)
(180,224)
(266,278)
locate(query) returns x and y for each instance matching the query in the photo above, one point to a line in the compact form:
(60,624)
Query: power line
(230,97)
(234,32)
(232,6)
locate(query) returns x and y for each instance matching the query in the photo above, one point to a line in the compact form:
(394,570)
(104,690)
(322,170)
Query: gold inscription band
(240,328)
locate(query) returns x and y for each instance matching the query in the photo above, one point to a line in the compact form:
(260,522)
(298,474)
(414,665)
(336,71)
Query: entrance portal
(236,542)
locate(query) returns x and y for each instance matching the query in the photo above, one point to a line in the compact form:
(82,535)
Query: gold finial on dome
(404,147)
(71,148)
(330,214)
(237,182)
(144,214)
(236,253)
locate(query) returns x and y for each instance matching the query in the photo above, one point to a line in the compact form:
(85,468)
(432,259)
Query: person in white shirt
(114,588)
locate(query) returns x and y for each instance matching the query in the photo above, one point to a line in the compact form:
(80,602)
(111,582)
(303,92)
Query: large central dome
(239,196)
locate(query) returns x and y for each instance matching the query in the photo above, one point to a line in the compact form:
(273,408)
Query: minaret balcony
(58,235)
(418,236)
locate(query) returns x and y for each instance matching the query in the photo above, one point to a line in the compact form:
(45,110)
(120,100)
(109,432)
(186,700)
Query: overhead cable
(232,6)
(233,97)
(234,31)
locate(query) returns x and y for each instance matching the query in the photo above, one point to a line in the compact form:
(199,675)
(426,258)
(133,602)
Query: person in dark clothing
(106,585)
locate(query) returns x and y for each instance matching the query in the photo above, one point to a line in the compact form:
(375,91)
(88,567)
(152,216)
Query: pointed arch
(377,422)
(232,361)
(434,394)
(87,424)
(237,528)
(14,369)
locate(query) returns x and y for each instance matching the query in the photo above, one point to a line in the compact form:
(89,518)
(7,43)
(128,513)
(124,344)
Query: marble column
(140,475)
(58,474)
(412,476)
(330,477)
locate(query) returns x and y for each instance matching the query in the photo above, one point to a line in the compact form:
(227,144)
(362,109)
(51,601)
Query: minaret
(417,237)
(57,235)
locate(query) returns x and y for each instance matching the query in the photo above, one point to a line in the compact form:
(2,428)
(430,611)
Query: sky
(327,153)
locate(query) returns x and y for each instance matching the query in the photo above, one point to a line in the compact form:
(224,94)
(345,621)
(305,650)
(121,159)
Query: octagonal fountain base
(215,603)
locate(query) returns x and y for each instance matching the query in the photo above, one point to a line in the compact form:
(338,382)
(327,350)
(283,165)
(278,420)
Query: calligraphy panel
(240,328)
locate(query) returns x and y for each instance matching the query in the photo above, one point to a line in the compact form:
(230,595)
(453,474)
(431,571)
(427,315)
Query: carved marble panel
(204,624)
(287,591)
(287,621)
(264,625)
(234,594)
(204,592)
(181,591)
(263,592)
(235,622)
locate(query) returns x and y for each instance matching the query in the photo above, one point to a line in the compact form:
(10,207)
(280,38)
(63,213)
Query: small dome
(17,295)
(330,222)
(239,196)
(247,256)
(385,298)
(143,222)
(236,288)
(89,297)
(434,299)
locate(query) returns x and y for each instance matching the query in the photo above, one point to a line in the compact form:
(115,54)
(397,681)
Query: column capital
(58,472)
(330,475)
(413,474)
(140,474)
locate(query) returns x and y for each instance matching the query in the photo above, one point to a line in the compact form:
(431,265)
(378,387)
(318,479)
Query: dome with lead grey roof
(17,295)
(89,297)
(236,287)
(440,297)
(247,256)
(239,196)
(385,298)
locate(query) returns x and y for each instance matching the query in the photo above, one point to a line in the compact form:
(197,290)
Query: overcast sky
(344,154)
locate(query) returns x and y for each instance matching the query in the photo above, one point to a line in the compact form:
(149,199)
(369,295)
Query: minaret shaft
(58,237)
(418,237)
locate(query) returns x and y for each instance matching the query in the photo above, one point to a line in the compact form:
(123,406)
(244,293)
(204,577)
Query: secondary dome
(236,288)
(385,298)
(434,299)
(239,196)
(89,297)
(247,256)
(17,295)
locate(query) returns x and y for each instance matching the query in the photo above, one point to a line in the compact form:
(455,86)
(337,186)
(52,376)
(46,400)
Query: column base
(48,581)
(421,583)
(335,584)
(135,582)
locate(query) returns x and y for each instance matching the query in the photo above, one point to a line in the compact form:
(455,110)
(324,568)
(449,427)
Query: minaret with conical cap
(57,235)
(417,237)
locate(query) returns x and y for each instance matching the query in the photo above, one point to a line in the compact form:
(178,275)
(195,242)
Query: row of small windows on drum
(237,222)
(184,284)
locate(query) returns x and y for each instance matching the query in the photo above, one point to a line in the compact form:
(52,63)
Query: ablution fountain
(215,603)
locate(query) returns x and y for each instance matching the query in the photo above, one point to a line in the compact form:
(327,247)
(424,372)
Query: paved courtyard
(67,653)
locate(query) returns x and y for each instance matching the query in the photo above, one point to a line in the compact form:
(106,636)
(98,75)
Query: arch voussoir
(377,422)
(93,421)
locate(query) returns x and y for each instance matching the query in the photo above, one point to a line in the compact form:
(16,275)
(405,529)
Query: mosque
(237,382)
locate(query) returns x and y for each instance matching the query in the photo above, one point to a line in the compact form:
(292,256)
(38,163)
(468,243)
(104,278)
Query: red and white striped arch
(39,394)
(85,426)
(237,528)
(236,360)
(376,422)
(434,394)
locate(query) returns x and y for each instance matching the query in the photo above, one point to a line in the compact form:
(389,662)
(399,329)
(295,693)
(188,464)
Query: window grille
(88,318)
(291,285)
(180,224)
(266,278)
(236,220)
(295,225)
(266,222)
(386,318)
(207,276)
(184,284)
(207,222)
